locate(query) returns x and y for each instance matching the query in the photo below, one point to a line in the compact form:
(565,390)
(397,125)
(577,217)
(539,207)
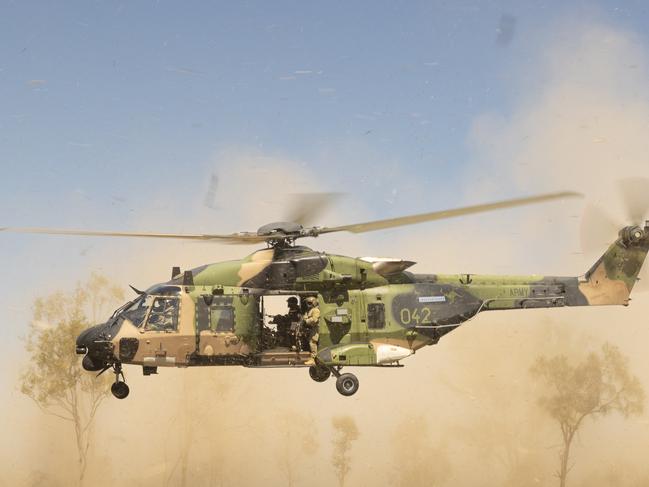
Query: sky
(118,115)
(105,102)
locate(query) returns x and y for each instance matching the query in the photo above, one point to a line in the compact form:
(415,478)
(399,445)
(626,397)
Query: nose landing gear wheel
(119,389)
(347,384)
(319,373)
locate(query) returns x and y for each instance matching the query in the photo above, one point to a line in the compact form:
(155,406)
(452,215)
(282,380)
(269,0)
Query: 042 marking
(420,316)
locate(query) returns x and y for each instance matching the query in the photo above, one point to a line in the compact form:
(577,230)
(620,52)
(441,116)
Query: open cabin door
(283,341)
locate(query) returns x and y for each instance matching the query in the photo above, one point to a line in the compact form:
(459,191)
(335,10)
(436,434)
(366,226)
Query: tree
(195,426)
(596,387)
(345,433)
(101,293)
(54,379)
(416,459)
(298,436)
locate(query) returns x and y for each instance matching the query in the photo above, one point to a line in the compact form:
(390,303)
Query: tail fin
(613,276)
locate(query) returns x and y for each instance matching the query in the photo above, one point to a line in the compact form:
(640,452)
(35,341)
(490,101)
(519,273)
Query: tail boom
(608,282)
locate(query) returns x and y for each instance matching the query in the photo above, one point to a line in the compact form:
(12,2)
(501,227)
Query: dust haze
(463,412)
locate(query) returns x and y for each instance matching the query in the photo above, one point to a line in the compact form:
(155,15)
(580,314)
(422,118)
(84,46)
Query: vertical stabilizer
(613,276)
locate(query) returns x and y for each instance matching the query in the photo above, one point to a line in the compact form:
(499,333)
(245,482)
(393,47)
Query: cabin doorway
(283,340)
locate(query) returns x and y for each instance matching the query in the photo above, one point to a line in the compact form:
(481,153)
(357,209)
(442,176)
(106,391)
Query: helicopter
(374,312)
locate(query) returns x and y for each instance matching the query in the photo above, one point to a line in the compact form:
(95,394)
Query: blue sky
(99,96)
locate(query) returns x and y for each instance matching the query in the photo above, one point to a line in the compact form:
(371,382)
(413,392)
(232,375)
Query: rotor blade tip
(571,194)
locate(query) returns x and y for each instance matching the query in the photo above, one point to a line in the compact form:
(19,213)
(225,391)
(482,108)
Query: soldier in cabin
(311,322)
(293,318)
(288,324)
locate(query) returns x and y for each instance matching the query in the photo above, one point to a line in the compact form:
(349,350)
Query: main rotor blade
(234,238)
(306,207)
(444,214)
(635,192)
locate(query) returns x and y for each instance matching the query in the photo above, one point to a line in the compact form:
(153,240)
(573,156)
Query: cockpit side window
(163,315)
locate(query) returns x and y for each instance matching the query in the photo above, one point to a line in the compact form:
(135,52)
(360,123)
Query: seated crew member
(293,318)
(162,315)
(312,321)
(287,324)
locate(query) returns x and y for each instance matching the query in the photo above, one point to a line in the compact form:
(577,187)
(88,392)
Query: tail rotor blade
(635,192)
(598,230)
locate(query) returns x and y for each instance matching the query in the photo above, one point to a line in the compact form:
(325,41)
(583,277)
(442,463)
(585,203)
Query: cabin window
(222,318)
(375,316)
(214,313)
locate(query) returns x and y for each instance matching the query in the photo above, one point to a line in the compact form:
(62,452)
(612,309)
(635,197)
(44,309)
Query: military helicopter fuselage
(373,312)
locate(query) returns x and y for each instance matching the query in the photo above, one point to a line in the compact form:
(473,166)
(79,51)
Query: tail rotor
(635,192)
(599,229)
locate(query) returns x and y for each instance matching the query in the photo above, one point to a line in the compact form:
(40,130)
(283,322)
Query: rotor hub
(288,229)
(632,234)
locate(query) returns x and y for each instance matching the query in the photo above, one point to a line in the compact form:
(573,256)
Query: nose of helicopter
(86,339)
(83,342)
(95,344)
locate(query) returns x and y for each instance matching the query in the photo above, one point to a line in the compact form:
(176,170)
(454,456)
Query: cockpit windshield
(136,312)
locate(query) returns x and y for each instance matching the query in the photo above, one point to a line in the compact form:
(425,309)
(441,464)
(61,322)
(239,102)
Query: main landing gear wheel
(319,373)
(119,389)
(347,384)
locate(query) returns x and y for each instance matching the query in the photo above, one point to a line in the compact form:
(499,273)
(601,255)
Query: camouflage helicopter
(373,311)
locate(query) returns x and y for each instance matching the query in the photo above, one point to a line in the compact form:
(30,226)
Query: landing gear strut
(346,384)
(119,388)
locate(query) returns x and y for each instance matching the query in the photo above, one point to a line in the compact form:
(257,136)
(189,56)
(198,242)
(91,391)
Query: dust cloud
(461,413)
